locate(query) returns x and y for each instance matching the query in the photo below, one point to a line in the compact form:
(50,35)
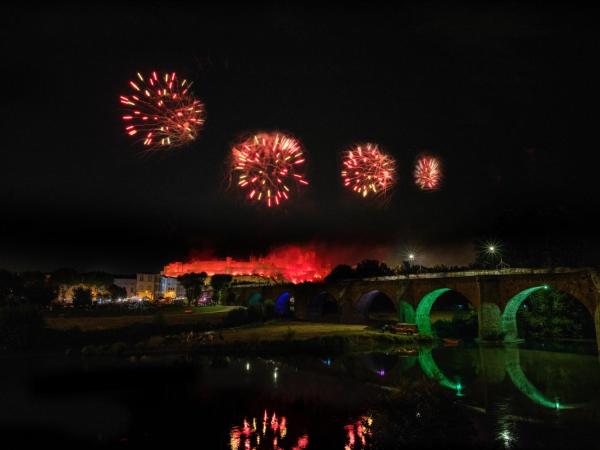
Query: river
(469,395)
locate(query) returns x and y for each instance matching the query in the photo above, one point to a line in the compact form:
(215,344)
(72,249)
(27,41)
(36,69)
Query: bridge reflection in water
(512,366)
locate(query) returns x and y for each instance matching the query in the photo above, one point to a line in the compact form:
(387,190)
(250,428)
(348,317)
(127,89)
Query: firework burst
(368,171)
(428,173)
(268,166)
(162,111)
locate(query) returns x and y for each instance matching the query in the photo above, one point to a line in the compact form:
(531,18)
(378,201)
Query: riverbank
(101,321)
(271,338)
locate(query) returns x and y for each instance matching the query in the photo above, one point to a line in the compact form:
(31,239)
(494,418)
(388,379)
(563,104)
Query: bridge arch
(255,298)
(375,305)
(323,305)
(283,304)
(509,315)
(423,312)
(406,312)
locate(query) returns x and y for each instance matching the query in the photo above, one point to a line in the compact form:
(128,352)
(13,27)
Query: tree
(11,287)
(192,283)
(116,291)
(372,268)
(82,297)
(554,314)
(40,293)
(340,272)
(219,282)
(65,276)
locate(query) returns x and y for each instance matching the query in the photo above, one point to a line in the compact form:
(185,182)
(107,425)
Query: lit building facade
(170,288)
(148,285)
(127,283)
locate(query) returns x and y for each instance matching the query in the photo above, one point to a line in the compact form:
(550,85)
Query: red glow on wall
(291,263)
(295,263)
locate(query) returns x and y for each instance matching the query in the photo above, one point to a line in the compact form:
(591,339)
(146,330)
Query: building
(148,285)
(127,282)
(171,288)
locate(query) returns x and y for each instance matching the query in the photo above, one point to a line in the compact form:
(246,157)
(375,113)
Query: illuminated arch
(282,304)
(323,304)
(512,363)
(366,300)
(406,312)
(424,308)
(431,369)
(509,316)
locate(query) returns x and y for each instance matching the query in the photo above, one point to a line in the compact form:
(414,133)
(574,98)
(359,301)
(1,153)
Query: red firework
(268,165)
(162,111)
(428,173)
(366,170)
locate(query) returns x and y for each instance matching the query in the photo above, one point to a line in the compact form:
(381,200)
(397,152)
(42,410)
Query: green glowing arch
(509,316)
(424,308)
(431,369)
(406,313)
(512,363)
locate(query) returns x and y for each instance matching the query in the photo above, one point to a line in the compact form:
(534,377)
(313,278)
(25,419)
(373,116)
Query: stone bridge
(495,294)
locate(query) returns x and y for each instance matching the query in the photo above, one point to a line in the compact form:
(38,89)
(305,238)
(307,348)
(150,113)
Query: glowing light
(357,433)
(272,437)
(267,165)
(162,111)
(292,263)
(428,173)
(368,171)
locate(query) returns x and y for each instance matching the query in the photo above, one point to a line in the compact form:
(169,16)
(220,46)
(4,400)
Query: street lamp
(493,249)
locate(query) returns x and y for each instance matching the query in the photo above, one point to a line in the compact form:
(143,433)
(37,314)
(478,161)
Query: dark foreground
(467,397)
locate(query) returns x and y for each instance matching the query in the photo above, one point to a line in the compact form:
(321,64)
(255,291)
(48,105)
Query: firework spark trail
(162,111)
(366,170)
(428,173)
(268,166)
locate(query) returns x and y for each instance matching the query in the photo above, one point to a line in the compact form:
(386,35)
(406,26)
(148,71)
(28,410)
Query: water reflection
(500,382)
(271,434)
(359,434)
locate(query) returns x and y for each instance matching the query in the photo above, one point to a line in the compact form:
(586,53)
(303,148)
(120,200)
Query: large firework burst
(367,170)
(162,111)
(428,173)
(268,165)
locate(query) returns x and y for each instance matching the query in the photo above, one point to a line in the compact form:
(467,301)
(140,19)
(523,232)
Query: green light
(431,369)
(517,376)
(424,308)
(509,316)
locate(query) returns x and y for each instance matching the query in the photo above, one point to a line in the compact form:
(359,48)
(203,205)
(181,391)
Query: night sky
(505,95)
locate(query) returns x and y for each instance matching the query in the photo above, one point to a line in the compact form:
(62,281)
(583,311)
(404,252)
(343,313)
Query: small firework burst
(162,111)
(268,166)
(428,173)
(368,171)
